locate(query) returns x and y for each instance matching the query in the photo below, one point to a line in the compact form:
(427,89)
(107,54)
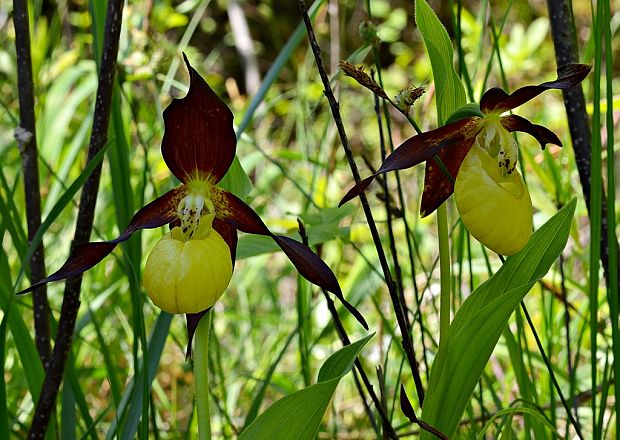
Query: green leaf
(481,319)
(4,411)
(448,86)
(299,415)
(236,180)
(339,363)
(467,111)
(321,226)
(266,380)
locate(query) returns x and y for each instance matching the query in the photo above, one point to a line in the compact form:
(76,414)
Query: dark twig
(408,411)
(383,393)
(569,359)
(342,333)
(388,213)
(566,51)
(335,108)
(71,299)
(27,142)
(401,199)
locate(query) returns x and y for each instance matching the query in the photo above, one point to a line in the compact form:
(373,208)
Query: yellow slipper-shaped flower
(188,275)
(495,206)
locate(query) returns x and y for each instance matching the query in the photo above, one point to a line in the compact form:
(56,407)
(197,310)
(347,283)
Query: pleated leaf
(448,86)
(299,415)
(479,322)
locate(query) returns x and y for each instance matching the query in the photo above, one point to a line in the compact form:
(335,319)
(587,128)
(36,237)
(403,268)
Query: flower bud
(368,31)
(406,97)
(187,276)
(495,206)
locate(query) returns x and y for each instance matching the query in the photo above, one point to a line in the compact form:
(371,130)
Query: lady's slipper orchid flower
(191,266)
(477,149)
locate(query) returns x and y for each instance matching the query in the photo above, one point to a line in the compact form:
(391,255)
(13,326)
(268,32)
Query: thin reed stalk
(71,300)
(27,141)
(335,108)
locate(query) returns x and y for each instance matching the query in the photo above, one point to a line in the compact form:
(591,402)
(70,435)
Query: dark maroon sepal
(424,146)
(405,405)
(229,234)
(420,148)
(311,267)
(239,215)
(357,189)
(159,212)
(439,183)
(542,134)
(192,324)
(496,100)
(199,139)
(82,258)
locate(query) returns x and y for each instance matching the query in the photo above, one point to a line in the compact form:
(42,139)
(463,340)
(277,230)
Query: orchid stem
(201,375)
(444,273)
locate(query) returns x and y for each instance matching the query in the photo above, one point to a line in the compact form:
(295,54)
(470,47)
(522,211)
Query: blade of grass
(595,218)
(130,404)
(78,397)
(64,200)
(613,288)
(4,413)
(10,215)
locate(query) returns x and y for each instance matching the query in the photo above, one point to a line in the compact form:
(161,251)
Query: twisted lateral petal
(542,134)
(441,173)
(496,100)
(229,234)
(234,211)
(423,147)
(192,324)
(199,139)
(159,212)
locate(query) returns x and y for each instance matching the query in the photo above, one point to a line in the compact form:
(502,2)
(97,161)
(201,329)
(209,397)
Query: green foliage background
(272,330)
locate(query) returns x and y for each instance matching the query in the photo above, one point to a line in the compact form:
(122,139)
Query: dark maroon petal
(239,215)
(199,138)
(405,405)
(159,212)
(496,100)
(312,268)
(229,234)
(437,185)
(542,134)
(192,324)
(356,190)
(421,148)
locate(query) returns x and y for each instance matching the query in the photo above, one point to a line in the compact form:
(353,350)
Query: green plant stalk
(595,217)
(444,273)
(612,290)
(201,375)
